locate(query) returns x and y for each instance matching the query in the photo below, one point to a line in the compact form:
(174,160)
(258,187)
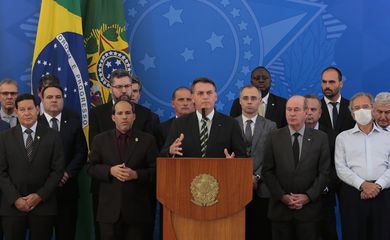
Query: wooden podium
(204,198)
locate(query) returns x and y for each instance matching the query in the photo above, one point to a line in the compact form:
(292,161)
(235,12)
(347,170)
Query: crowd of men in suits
(305,150)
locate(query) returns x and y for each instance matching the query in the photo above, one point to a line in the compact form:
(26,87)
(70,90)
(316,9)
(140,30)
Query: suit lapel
(40,133)
(285,140)
(239,119)
(258,131)
(131,146)
(216,126)
(194,131)
(306,145)
(17,132)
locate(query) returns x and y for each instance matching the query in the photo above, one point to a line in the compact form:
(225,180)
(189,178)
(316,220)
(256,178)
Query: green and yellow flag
(59,50)
(106,44)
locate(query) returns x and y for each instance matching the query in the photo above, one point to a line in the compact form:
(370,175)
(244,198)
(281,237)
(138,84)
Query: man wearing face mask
(362,158)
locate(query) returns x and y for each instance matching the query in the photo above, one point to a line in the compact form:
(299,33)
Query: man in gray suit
(296,171)
(255,130)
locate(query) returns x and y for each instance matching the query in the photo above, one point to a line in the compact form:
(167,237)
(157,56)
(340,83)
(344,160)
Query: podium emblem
(204,190)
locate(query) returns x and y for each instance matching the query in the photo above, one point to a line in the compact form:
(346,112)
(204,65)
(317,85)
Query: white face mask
(363,116)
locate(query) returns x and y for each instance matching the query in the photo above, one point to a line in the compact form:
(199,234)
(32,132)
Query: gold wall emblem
(204,190)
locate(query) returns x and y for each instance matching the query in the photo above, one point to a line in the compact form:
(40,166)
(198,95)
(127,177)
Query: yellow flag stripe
(53,20)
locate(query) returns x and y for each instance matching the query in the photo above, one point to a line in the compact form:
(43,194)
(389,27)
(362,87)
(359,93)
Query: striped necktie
(204,136)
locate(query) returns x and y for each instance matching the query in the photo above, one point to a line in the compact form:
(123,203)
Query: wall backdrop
(174,41)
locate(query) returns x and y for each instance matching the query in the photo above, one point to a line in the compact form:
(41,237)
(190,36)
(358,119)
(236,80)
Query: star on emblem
(215,41)
(173,15)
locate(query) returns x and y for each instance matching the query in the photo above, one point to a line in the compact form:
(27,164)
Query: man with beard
(272,107)
(336,114)
(335,118)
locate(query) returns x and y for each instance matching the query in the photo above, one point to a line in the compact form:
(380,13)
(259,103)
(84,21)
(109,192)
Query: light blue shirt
(363,157)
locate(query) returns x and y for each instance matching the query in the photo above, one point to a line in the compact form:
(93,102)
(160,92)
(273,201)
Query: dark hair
(203,80)
(123,98)
(47,80)
(313,96)
(52,86)
(261,67)
(177,89)
(25,96)
(135,80)
(119,73)
(340,75)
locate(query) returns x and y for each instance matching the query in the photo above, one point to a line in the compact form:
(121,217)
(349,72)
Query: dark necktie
(29,143)
(204,136)
(54,124)
(248,133)
(335,113)
(295,147)
(122,146)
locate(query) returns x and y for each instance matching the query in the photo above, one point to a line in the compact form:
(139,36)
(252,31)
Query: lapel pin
(273,104)
(136,139)
(38,137)
(65,121)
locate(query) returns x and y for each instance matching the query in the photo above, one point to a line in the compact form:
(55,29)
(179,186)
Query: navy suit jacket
(3,125)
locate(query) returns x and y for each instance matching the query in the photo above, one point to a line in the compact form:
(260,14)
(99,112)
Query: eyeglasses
(5,94)
(127,86)
(365,106)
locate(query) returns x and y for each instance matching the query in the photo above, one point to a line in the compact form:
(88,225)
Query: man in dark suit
(255,130)
(75,151)
(272,107)
(328,230)
(333,104)
(123,160)
(296,170)
(31,166)
(100,120)
(182,103)
(205,132)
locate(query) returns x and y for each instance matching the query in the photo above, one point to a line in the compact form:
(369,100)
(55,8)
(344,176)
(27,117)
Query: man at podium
(205,132)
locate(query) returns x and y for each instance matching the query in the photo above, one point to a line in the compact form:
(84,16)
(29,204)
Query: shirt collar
(209,116)
(118,133)
(327,100)
(375,128)
(265,98)
(2,113)
(244,119)
(33,128)
(301,131)
(48,117)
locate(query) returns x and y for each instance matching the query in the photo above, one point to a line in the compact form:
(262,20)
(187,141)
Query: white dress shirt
(58,117)
(209,122)
(363,157)
(330,107)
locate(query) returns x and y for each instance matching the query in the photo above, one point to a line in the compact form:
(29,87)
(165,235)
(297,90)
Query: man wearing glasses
(8,94)
(362,159)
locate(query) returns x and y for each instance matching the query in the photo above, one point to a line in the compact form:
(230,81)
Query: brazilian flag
(106,44)
(59,50)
